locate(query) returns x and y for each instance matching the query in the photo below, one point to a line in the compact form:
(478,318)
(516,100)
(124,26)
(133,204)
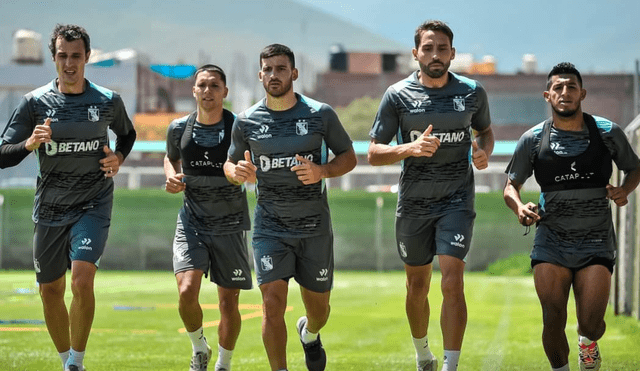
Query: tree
(358,117)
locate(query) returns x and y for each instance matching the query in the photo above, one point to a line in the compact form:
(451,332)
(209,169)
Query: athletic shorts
(224,256)
(54,248)
(420,240)
(596,260)
(308,260)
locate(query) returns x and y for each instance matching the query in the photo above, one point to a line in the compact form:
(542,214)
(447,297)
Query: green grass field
(367,329)
(143,224)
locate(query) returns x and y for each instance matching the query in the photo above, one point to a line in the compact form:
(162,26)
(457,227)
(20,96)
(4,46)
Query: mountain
(194,32)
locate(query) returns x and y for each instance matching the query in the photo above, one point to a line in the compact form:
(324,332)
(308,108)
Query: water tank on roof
(27,47)
(337,58)
(529,63)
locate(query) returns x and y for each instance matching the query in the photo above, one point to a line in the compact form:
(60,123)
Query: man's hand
(175,184)
(307,171)
(426,145)
(243,171)
(41,134)
(479,156)
(617,194)
(528,214)
(110,164)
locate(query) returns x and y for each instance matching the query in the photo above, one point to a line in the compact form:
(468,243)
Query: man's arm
(243,171)
(482,148)
(383,154)
(309,172)
(172,171)
(527,214)
(629,184)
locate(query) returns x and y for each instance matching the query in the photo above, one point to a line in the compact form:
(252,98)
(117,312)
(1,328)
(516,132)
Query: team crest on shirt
(94,114)
(267,263)
(302,127)
(458,104)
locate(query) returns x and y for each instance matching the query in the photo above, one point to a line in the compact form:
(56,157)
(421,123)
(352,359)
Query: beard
(566,113)
(278,91)
(434,74)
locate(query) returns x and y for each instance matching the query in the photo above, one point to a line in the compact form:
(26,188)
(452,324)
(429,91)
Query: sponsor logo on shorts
(238,275)
(94,114)
(403,249)
(458,241)
(324,273)
(36,265)
(267,163)
(266,263)
(85,244)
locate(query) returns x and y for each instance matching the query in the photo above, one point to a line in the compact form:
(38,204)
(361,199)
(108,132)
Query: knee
(554,313)
(81,286)
(452,286)
(51,292)
(592,328)
(188,292)
(228,304)
(417,287)
(273,307)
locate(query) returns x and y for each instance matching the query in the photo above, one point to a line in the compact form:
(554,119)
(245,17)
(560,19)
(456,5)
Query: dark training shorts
(420,240)
(308,260)
(225,256)
(54,248)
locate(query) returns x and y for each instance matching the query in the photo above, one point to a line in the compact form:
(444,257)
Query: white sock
(423,353)
(224,358)
(75,358)
(584,340)
(451,358)
(308,336)
(64,356)
(198,342)
(563,368)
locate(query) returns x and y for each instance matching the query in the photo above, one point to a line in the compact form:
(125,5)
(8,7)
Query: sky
(596,35)
(600,36)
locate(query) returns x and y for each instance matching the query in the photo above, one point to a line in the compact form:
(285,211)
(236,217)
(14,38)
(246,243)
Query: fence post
(378,241)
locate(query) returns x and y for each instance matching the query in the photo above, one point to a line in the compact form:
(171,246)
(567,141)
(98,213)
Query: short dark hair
(433,25)
(277,49)
(564,68)
(69,32)
(211,68)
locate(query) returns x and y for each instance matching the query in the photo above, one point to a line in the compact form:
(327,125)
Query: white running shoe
(589,357)
(430,365)
(200,360)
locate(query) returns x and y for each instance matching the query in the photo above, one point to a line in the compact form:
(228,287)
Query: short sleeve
(238,141)
(386,123)
(336,136)
(481,119)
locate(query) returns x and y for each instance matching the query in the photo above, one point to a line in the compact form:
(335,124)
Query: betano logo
(53,148)
(267,163)
(447,137)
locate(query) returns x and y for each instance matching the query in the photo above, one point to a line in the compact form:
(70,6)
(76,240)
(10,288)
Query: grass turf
(367,329)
